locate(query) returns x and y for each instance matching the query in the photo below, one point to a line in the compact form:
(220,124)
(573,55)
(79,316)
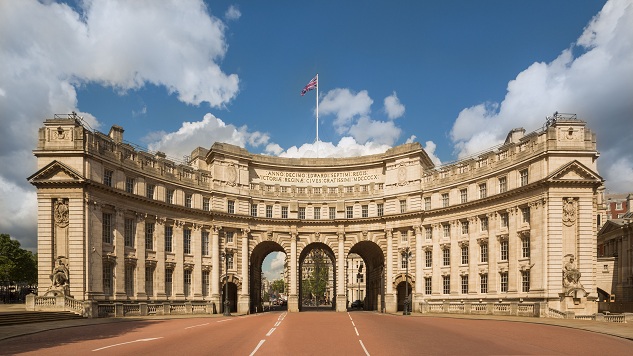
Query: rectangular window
(349,212)
(205,283)
(446,257)
(149,191)
(349,189)
(483,190)
(428,232)
(107,279)
(446,284)
(525,214)
(187,282)
(230,207)
(403,206)
(129,280)
(525,247)
(170,196)
(428,258)
(503,184)
(525,281)
(206,206)
(129,232)
(107,177)
(504,219)
(269,211)
(446,228)
(169,275)
(229,237)
(465,255)
(316,191)
(186,238)
(317,213)
(404,263)
(301,190)
(464,280)
(332,213)
(444,200)
(169,234)
(483,253)
(484,223)
(106,228)
(284,212)
(365,211)
(504,250)
(381,209)
(188,200)
(332,190)
(205,243)
(230,261)
(149,281)
(483,283)
(524,177)
(464,227)
(302,213)
(149,236)
(254,210)
(428,286)
(427,203)
(129,185)
(503,282)
(463,195)
(404,236)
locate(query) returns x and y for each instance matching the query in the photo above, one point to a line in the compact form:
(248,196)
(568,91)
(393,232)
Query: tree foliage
(315,285)
(278,286)
(17,265)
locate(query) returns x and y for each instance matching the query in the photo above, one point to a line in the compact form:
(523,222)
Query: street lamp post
(359,275)
(227,310)
(406,254)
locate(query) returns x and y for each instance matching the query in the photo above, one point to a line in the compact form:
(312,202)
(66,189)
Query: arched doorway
(404,291)
(256,276)
(372,275)
(231,291)
(317,278)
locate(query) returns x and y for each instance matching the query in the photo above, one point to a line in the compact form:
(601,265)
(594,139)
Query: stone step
(15,318)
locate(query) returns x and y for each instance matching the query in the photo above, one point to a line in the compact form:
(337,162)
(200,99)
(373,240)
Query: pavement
(614,329)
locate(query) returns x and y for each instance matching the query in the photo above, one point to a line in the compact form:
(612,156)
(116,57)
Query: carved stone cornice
(522,234)
(482,241)
(463,243)
(188,266)
(130,261)
(445,246)
(427,248)
(109,258)
(206,268)
(217,228)
(151,264)
(170,264)
(503,237)
(483,270)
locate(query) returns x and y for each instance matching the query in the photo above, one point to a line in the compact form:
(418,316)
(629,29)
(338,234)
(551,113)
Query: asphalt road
(316,333)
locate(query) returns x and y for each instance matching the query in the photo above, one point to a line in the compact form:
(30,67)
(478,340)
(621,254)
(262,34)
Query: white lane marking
(270,332)
(356,331)
(363,345)
(260,344)
(195,326)
(353,324)
(129,342)
(277,323)
(219,321)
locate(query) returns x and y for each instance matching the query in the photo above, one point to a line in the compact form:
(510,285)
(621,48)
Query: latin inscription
(319,177)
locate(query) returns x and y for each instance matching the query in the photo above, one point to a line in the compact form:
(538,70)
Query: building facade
(518,222)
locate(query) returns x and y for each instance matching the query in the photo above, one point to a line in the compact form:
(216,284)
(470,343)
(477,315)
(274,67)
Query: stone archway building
(132,225)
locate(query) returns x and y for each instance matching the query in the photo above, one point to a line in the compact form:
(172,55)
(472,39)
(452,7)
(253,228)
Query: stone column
(391,303)
(179,254)
(293,297)
(196,250)
(418,265)
(215,268)
(243,304)
(119,251)
(159,270)
(341,302)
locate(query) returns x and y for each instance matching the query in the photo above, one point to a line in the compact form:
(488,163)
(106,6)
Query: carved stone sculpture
(61,213)
(59,280)
(571,278)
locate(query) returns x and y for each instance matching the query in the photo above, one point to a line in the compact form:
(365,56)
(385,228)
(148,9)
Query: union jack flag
(311,85)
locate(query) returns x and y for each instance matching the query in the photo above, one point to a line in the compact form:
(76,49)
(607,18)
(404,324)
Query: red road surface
(317,333)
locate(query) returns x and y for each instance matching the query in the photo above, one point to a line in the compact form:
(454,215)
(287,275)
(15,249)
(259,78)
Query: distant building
(615,252)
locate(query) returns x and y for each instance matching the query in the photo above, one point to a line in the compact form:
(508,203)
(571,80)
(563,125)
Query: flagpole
(317,115)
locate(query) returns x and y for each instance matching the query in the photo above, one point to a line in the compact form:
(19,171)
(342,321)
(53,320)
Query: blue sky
(455,76)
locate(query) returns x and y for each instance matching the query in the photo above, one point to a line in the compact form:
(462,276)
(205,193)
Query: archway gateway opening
(317,282)
(260,289)
(366,284)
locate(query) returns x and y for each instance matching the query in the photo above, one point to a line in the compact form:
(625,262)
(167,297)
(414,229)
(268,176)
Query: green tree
(320,273)
(17,265)
(278,286)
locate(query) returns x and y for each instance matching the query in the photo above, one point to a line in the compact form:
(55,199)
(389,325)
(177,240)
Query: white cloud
(595,85)
(203,134)
(232,13)
(393,107)
(346,147)
(52,49)
(345,105)
(429,148)
(381,132)
(18,212)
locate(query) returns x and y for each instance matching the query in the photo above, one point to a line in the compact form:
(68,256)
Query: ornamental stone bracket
(445,246)
(503,237)
(483,271)
(151,264)
(482,240)
(188,266)
(206,268)
(109,258)
(170,264)
(463,243)
(427,248)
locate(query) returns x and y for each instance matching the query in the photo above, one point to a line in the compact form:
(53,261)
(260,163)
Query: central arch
(330,303)
(374,273)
